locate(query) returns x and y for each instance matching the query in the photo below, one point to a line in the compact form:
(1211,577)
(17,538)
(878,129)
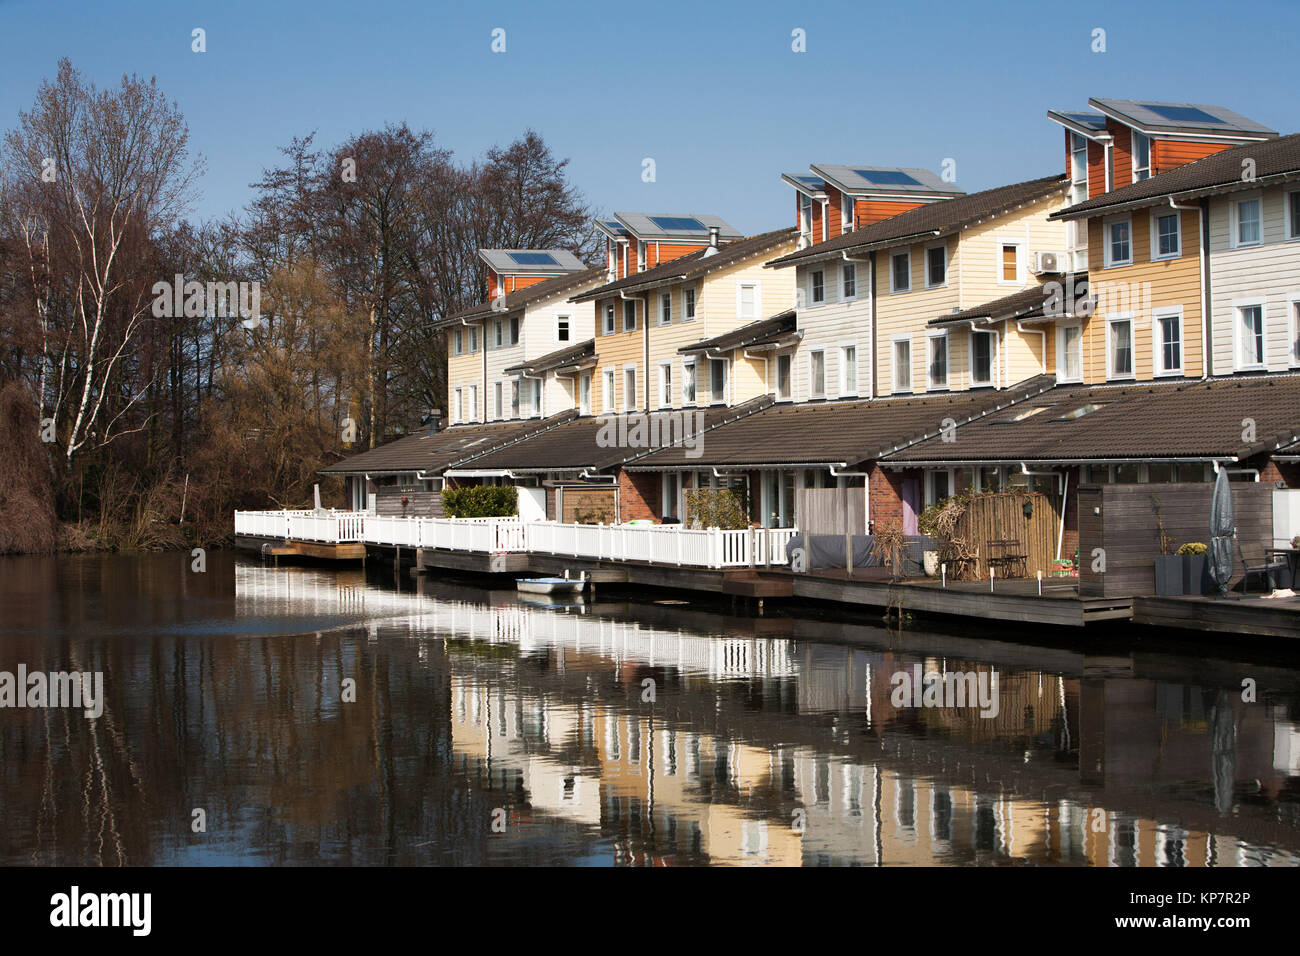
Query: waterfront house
(526,315)
(646,317)
(868,295)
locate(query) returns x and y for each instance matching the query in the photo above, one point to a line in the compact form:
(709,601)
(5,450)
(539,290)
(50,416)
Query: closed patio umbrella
(1222,531)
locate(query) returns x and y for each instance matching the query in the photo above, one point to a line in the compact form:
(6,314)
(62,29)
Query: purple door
(911,504)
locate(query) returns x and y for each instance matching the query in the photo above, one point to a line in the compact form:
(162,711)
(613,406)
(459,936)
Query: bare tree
(94,176)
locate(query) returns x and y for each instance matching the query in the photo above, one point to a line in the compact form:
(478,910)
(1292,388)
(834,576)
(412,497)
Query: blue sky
(712,92)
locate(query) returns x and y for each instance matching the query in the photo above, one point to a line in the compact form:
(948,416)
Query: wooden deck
(1237,615)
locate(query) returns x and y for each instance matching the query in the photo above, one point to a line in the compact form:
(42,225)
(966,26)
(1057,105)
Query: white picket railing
(653,544)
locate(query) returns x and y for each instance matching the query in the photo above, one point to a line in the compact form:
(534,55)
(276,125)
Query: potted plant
(1196,567)
(1168,566)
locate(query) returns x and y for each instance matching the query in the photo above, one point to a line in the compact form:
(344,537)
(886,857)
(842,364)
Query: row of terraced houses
(1134,318)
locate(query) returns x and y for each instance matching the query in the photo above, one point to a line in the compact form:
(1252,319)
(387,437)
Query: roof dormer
(836,199)
(510,270)
(636,241)
(1119,142)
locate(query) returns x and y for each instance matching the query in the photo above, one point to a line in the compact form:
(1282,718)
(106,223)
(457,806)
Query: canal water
(304,715)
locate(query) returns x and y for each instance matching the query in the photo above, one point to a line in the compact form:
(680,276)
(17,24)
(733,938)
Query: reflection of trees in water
(253,732)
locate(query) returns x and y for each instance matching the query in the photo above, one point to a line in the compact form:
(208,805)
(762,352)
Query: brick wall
(638,495)
(886,496)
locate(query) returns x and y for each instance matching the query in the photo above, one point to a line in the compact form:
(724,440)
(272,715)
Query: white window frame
(1019,244)
(893,290)
(893,365)
(848,213)
(629,404)
(1061,375)
(473,339)
(1111,320)
(693,376)
(460,405)
(805,215)
(1234,221)
(665,316)
(847,388)
(608,383)
(944,246)
(1289,215)
(609,324)
(1078,148)
(1110,262)
(498,400)
(633,304)
(1156,215)
(992,337)
(642,253)
(584,393)
(1293,320)
(812,286)
(757,286)
(564,322)
(813,392)
(473,403)
(1133,155)
(458,342)
(1158,369)
(930,338)
(1237,339)
(665,379)
(726,363)
(844,268)
(688,298)
(776,383)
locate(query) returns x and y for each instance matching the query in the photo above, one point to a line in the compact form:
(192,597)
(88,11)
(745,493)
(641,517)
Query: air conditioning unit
(1045,262)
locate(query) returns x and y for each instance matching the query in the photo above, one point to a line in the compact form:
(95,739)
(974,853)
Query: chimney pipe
(712,250)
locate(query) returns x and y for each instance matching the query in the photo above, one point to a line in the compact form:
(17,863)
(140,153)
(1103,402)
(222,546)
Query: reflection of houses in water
(776,751)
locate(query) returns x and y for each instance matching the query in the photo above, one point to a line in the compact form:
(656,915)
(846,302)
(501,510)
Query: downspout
(1203,231)
(872,286)
(645,342)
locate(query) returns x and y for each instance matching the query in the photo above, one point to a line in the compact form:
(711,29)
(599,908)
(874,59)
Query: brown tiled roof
(1026,304)
(575,445)
(569,355)
(1140,421)
(752,333)
(946,215)
(524,297)
(695,264)
(835,432)
(432,451)
(1278,158)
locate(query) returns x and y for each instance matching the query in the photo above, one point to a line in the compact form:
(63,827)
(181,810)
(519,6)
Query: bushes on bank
(481,501)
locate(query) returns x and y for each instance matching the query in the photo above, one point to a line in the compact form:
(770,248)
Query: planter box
(1169,575)
(1196,574)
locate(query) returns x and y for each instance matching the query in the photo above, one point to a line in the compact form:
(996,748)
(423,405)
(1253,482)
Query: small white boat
(549,585)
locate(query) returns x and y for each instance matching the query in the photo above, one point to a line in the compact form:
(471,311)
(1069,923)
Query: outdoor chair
(1006,556)
(1265,566)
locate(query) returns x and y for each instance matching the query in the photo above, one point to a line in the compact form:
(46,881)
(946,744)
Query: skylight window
(887,177)
(1021,416)
(678,223)
(1080,412)
(1183,114)
(534,258)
